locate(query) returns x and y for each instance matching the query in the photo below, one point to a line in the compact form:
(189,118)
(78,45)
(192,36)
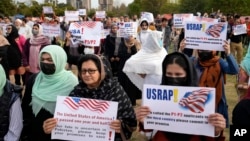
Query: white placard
(175,108)
(240,29)
(71,16)
(104,33)
(147,15)
(126,29)
(204,19)
(88,33)
(205,36)
(180,19)
(84,119)
(100,14)
(48,10)
(51,30)
(82,12)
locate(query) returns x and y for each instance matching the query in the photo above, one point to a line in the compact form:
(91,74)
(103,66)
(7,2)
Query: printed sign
(206,36)
(82,12)
(48,10)
(126,29)
(100,14)
(84,119)
(71,16)
(104,33)
(240,29)
(51,30)
(147,15)
(204,19)
(87,33)
(175,108)
(180,19)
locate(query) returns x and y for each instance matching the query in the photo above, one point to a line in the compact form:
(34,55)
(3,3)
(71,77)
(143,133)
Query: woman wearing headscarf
(32,48)
(95,85)
(4,45)
(111,47)
(39,100)
(211,70)
(178,70)
(243,76)
(11,121)
(15,53)
(145,66)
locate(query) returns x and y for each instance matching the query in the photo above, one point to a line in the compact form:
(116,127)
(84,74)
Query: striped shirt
(16,122)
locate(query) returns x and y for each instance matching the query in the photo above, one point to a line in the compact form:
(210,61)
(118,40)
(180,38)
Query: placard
(100,14)
(48,10)
(180,19)
(240,29)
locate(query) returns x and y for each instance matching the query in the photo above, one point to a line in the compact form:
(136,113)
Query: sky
(95,2)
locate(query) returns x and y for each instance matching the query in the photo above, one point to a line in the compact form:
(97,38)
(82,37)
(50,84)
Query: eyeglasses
(90,71)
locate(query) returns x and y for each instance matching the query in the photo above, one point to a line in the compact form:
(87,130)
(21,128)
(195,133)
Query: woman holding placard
(178,70)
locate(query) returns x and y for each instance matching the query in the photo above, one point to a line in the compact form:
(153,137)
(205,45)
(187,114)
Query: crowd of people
(116,70)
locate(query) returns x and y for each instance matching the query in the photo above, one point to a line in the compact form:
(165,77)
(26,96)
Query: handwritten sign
(175,108)
(206,36)
(180,19)
(126,29)
(84,119)
(240,29)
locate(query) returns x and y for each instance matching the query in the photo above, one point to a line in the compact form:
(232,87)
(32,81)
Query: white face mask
(89,50)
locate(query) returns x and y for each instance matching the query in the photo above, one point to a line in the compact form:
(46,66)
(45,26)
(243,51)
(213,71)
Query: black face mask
(204,56)
(176,81)
(48,69)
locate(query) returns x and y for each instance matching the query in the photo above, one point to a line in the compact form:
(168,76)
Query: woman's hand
(116,125)
(141,112)
(218,121)
(49,125)
(182,45)
(226,47)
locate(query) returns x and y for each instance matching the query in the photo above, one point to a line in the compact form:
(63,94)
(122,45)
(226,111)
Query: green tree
(193,6)
(7,7)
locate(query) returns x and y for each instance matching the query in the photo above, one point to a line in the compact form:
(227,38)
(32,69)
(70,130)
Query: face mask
(48,69)
(34,32)
(89,50)
(204,56)
(176,81)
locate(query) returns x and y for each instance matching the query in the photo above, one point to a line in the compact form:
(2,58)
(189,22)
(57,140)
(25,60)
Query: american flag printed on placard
(215,30)
(88,104)
(89,24)
(195,102)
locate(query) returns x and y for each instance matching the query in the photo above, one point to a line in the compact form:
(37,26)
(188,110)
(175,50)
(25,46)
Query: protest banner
(205,36)
(180,19)
(48,10)
(82,12)
(147,15)
(126,29)
(51,30)
(174,108)
(87,33)
(239,29)
(81,119)
(100,14)
(204,19)
(71,16)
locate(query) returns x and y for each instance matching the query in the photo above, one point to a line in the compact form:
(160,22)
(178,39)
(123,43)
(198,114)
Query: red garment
(248,28)
(160,136)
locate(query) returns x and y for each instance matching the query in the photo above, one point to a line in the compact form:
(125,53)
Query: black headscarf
(192,77)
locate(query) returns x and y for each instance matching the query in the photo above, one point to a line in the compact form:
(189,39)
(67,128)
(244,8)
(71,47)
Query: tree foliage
(7,8)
